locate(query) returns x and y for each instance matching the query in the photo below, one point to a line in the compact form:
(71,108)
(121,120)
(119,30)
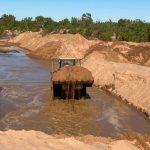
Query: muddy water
(25,104)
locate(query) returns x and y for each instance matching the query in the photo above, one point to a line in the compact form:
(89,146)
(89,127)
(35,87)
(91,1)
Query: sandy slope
(34,140)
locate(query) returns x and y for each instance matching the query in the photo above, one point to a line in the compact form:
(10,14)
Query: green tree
(40,21)
(125,29)
(7,21)
(87,19)
(48,25)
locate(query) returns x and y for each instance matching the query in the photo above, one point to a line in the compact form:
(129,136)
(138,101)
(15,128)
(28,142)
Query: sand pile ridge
(66,45)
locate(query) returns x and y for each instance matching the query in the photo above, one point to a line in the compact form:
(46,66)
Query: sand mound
(66,45)
(34,140)
(73,74)
(46,51)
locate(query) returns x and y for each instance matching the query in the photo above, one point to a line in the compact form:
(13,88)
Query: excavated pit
(25,104)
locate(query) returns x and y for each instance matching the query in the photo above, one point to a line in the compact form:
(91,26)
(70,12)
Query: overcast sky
(60,9)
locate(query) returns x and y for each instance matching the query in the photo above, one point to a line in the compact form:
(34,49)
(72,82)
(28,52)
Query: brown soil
(139,55)
(106,53)
(122,52)
(73,74)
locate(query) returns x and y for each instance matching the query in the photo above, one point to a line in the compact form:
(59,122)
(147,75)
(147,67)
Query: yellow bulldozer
(69,79)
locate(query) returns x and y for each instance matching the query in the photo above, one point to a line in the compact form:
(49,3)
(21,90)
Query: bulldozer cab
(58,63)
(64,88)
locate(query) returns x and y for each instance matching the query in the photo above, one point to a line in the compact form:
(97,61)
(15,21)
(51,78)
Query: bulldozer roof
(66,58)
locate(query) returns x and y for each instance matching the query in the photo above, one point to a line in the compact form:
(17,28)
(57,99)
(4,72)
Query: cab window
(67,62)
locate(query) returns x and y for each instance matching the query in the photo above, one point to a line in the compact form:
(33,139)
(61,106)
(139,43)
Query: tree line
(123,30)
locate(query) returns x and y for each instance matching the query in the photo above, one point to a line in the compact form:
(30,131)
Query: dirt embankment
(122,68)
(131,82)
(31,140)
(53,45)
